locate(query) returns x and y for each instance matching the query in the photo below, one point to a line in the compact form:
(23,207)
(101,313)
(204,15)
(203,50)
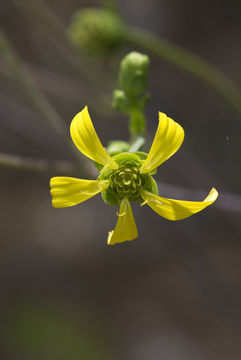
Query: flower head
(125,177)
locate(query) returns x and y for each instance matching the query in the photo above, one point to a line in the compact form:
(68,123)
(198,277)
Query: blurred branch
(226,201)
(38,99)
(188,61)
(39,12)
(171,53)
(59,85)
(31,88)
(64,87)
(36,165)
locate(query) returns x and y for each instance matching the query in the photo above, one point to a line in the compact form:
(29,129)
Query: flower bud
(134,73)
(120,101)
(96,31)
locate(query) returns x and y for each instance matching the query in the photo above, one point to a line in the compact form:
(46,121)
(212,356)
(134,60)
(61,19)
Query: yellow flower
(125,177)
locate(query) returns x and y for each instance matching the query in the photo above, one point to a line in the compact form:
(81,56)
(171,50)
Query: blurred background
(175,292)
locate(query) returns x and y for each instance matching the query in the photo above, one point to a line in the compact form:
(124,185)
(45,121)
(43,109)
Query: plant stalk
(189,62)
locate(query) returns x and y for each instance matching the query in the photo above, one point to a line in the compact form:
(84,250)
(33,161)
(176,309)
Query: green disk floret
(126,181)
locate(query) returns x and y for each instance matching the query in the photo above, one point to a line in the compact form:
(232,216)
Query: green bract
(118,146)
(121,101)
(126,181)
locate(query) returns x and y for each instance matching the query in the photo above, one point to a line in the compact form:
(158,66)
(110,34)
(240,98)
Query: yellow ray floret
(68,191)
(125,229)
(168,139)
(86,140)
(177,209)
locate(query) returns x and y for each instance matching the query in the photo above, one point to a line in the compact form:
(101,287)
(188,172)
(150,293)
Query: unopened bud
(96,31)
(134,73)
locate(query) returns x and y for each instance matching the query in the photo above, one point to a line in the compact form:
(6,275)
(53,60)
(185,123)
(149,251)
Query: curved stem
(188,61)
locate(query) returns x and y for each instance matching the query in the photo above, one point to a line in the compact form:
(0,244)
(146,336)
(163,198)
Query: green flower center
(127,180)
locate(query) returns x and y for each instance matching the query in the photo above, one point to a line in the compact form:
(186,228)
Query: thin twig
(39,12)
(36,165)
(64,87)
(226,202)
(35,95)
(189,62)
(31,88)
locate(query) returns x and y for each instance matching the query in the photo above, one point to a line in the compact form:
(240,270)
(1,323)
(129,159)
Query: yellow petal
(177,209)
(125,229)
(168,139)
(68,191)
(86,140)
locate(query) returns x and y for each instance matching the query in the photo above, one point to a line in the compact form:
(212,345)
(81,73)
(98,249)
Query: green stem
(188,61)
(137,122)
